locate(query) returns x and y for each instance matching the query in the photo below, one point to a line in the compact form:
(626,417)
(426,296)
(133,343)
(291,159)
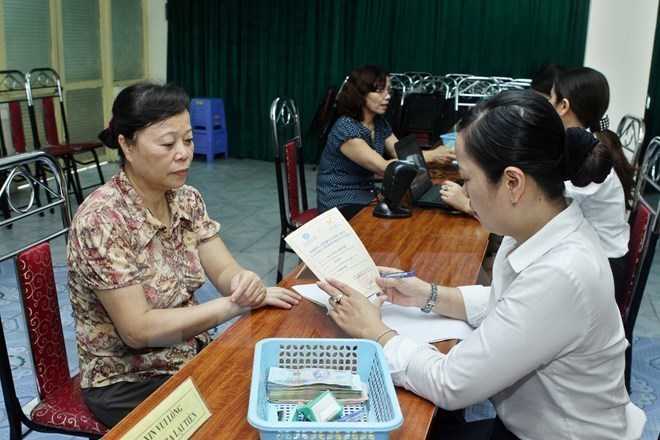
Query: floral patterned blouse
(116,242)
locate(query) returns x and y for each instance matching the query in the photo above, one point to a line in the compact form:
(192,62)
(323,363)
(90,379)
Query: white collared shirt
(604,206)
(549,344)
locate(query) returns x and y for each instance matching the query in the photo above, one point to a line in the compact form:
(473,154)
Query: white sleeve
(476,303)
(539,317)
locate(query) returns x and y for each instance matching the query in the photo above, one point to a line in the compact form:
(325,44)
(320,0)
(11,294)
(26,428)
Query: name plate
(178,416)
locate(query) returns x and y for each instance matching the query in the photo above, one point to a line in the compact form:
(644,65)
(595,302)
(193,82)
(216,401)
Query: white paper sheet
(331,249)
(408,321)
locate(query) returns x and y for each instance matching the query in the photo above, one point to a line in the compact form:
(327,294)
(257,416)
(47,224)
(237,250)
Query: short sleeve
(100,253)
(347,129)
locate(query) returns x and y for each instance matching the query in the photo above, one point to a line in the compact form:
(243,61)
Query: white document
(407,321)
(331,249)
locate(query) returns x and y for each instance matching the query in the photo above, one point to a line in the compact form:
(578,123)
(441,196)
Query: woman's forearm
(166,327)
(450,303)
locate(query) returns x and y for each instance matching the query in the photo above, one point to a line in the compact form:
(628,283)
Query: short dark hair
(521,128)
(139,106)
(361,81)
(544,79)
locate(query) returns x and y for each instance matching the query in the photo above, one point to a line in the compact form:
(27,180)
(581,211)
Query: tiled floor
(242,196)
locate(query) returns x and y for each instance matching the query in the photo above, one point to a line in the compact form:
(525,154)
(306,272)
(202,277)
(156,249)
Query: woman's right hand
(452,193)
(406,292)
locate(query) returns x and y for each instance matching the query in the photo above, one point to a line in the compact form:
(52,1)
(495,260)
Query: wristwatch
(434,296)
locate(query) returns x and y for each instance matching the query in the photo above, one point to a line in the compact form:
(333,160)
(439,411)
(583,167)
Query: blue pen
(352,416)
(410,273)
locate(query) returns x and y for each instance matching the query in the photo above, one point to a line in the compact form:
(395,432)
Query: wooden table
(445,248)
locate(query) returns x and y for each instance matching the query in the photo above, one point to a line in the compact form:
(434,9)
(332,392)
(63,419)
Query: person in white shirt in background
(548,346)
(581,96)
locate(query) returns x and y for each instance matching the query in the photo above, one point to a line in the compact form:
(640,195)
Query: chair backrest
(287,149)
(401,81)
(33,263)
(13,93)
(34,268)
(44,85)
(516,83)
(645,229)
(471,89)
(291,170)
(415,76)
(422,115)
(631,132)
(321,115)
(434,84)
(17,130)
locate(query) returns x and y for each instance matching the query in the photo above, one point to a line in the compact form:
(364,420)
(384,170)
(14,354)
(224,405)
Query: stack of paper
(407,321)
(304,385)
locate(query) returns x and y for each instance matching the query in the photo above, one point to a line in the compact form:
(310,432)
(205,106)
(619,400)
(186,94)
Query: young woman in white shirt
(581,96)
(548,346)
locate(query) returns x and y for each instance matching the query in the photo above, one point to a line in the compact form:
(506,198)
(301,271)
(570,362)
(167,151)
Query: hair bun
(578,143)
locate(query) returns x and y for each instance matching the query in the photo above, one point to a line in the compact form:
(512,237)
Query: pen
(410,273)
(352,416)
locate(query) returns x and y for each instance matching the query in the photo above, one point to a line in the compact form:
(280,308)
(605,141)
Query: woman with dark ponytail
(581,96)
(548,345)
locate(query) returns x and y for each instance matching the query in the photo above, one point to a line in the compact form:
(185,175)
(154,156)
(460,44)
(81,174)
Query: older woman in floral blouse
(139,247)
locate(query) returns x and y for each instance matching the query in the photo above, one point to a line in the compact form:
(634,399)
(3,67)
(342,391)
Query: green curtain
(652,114)
(249,52)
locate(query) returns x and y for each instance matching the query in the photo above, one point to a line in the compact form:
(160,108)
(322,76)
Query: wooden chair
(631,132)
(61,407)
(287,145)
(644,231)
(43,85)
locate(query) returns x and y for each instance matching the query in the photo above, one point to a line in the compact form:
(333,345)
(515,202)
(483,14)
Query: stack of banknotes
(304,385)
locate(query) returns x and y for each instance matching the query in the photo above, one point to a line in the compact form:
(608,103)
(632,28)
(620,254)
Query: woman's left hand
(353,312)
(440,155)
(279,297)
(247,289)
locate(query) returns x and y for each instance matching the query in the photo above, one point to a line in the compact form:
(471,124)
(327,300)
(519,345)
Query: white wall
(620,45)
(157,40)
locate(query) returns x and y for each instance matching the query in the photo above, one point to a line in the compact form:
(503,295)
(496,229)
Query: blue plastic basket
(361,356)
(449,139)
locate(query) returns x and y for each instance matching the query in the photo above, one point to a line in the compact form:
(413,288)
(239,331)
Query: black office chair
(422,115)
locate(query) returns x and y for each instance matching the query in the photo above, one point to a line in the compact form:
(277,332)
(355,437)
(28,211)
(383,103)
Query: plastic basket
(361,356)
(449,140)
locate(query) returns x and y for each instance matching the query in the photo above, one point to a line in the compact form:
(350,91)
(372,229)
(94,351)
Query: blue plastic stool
(207,116)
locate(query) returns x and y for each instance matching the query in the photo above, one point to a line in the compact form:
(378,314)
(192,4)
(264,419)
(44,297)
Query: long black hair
(588,93)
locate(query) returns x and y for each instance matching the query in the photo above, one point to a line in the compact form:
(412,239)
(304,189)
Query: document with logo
(331,249)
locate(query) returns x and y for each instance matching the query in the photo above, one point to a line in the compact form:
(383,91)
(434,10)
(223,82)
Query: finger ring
(444,188)
(338,298)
